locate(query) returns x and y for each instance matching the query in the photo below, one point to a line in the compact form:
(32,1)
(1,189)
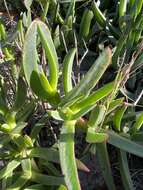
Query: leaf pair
(90,79)
(43,88)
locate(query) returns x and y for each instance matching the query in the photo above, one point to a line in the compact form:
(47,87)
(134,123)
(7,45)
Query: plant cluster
(41,81)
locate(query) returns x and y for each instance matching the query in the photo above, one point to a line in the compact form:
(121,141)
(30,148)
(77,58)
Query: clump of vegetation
(43,58)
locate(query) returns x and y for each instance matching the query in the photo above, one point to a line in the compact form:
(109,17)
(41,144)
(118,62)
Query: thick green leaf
(67,70)
(26,166)
(72,101)
(81,113)
(62,187)
(10,119)
(19,183)
(47,42)
(45,83)
(67,156)
(118,117)
(114,104)
(137,7)
(3,34)
(102,21)
(95,137)
(36,187)
(93,132)
(18,129)
(125,144)
(85,24)
(9,168)
(42,88)
(44,153)
(36,78)
(91,78)
(38,87)
(124,170)
(93,98)
(131,3)
(98,15)
(30,56)
(105,165)
(119,47)
(80,108)
(137,125)
(56,37)
(71,11)
(20,29)
(54,114)
(122,7)
(18,140)
(46,180)
(28,141)
(96,116)
(45,8)
(50,167)
(7,181)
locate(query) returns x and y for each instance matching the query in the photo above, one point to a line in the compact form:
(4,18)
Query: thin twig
(139,97)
